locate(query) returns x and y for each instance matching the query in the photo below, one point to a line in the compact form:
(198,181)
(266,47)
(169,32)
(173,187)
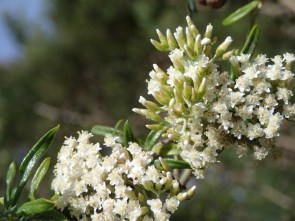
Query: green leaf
(252,40)
(152,138)
(52,215)
(40,205)
(38,177)
(9,179)
(166,150)
(174,164)
(241,12)
(192,8)
(128,134)
(30,160)
(118,124)
(104,130)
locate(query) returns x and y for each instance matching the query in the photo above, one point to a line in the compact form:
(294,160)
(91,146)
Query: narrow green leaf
(31,159)
(152,138)
(9,179)
(128,134)
(38,177)
(252,41)
(52,215)
(104,130)
(241,12)
(174,164)
(118,124)
(192,8)
(40,205)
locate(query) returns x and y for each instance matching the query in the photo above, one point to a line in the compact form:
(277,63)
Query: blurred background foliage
(92,68)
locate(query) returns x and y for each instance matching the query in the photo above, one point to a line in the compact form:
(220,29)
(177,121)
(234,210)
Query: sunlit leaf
(241,12)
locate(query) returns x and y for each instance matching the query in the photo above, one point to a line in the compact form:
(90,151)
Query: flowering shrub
(122,185)
(208,100)
(205,109)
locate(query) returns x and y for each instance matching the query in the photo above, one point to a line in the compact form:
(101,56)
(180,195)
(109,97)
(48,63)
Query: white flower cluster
(123,185)
(205,110)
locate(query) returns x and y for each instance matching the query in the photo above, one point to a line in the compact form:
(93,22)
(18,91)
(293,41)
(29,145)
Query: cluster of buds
(124,185)
(185,82)
(203,109)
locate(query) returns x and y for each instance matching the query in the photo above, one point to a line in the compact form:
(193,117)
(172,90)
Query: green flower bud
(189,51)
(189,38)
(148,185)
(158,45)
(162,37)
(171,40)
(198,46)
(223,47)
(202,88)
(164,164)
(208,32)
(148,104)
(179,36)
(226,56)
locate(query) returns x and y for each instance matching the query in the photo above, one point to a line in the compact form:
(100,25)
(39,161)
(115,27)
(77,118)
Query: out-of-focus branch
(277,197)
(71,117)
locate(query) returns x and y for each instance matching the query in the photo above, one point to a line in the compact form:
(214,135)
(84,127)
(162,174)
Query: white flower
(260,153)
(172,204)
(156,205)
(87,182)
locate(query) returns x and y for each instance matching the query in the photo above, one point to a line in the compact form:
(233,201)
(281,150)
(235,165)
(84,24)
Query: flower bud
(162,37)
(158,45)
(202,88)
(189,51)
(179,36)
(144,210)
(175,187)
(187,91)
(191,192)
(148,185)
(206,41)
(223,47)
(148,104)
(171,40)
(182,196)
(158,186)
(164,164)
(189,38)
(208,32)
(162,97)
(148,114)
(198,46)
(141,197)
(226,56)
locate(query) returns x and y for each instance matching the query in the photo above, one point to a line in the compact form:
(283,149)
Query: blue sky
(30,11)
